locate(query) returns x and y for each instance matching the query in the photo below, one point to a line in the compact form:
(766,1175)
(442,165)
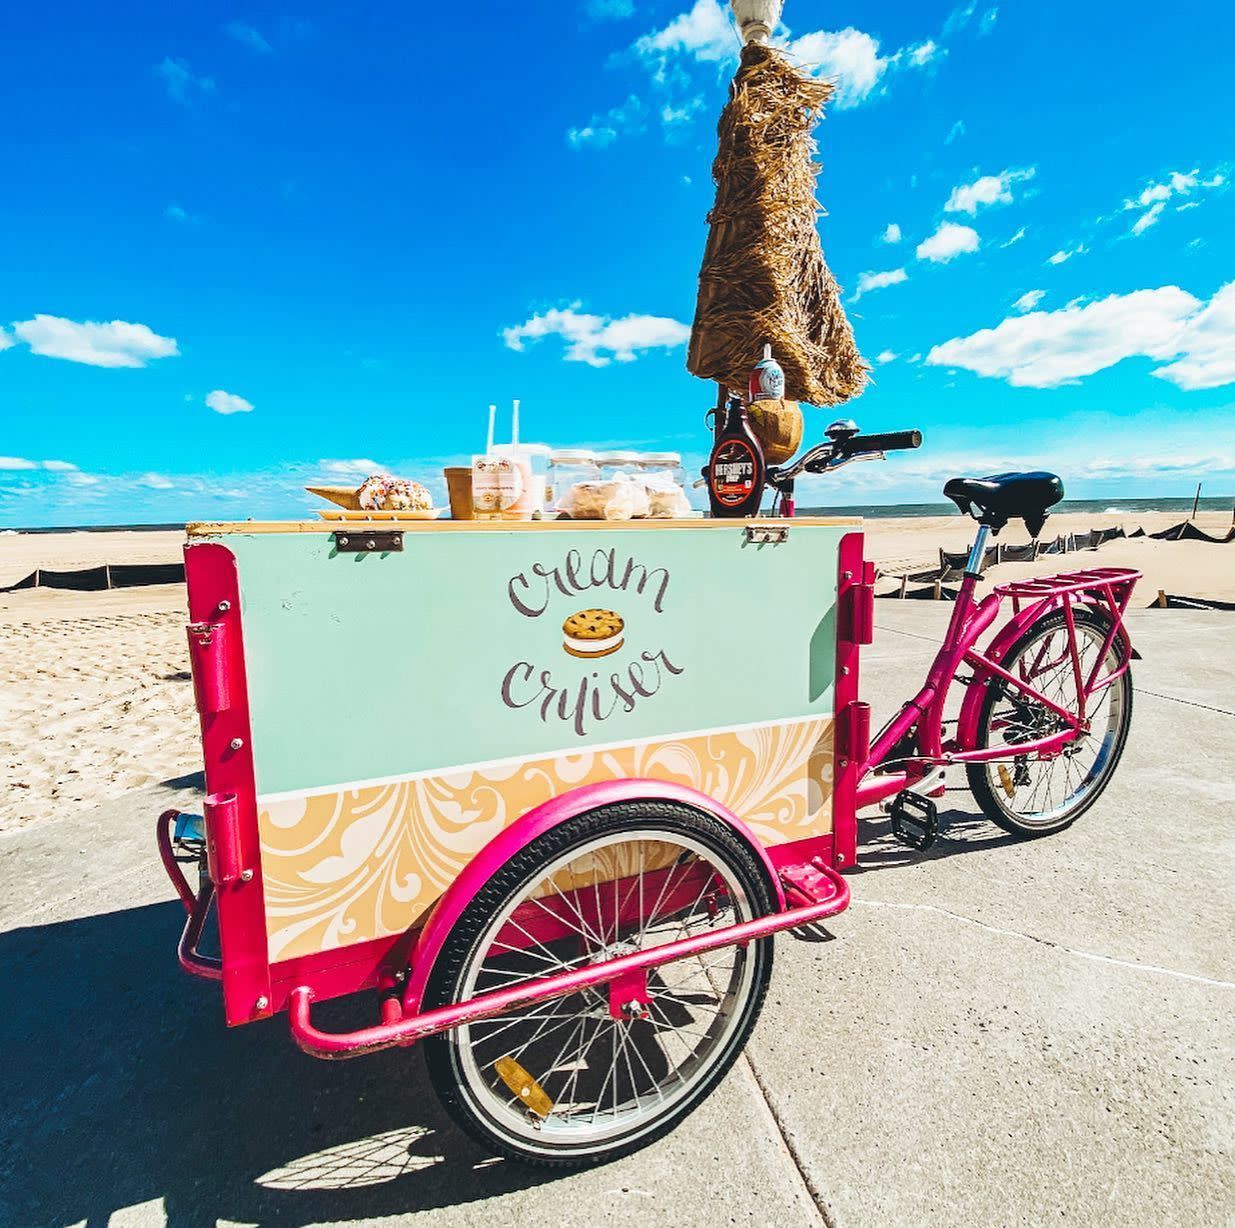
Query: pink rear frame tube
(408,1030)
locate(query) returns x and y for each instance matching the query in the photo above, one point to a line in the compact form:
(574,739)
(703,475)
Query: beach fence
(99,579)
(932,584)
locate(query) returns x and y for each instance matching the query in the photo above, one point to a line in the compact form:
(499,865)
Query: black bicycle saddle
(1005,496)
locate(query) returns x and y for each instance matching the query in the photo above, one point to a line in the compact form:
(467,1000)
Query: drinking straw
(514,423)
(489,441)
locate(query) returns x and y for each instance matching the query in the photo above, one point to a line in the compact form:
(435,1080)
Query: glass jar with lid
(664,462)
(663,478)
(626,467)
(612,463)
(568,467)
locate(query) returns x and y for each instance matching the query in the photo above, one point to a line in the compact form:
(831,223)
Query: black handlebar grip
(888,441)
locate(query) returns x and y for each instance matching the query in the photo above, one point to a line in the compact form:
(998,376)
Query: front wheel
(564,1082)
(1034,794)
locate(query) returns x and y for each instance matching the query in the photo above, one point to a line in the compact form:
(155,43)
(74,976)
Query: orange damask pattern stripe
(341,867)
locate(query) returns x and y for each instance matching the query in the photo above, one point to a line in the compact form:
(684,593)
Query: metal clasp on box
(771,534)
(370,542)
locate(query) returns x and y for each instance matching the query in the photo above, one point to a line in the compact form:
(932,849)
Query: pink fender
(534,824)
(997,650)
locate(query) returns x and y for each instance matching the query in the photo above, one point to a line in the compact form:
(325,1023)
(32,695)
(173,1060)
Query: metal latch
(760,534)
(372,541)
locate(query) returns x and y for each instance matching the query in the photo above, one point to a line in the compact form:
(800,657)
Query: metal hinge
(372,541)
(759,534)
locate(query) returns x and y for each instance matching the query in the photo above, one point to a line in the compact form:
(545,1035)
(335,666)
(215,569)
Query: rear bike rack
(1115,584)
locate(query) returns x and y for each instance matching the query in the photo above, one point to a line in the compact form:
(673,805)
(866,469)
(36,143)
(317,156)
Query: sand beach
(97,699)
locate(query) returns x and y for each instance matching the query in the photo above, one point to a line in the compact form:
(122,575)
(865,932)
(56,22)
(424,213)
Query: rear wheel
(564,1083)
(1034,794)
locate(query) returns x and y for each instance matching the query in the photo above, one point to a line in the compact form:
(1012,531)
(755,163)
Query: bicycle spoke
(606,1079)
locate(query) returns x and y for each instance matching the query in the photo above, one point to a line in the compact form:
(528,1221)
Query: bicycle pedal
(915,820)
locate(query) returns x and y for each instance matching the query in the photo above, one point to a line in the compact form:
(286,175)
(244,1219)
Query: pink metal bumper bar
(406,1031)
(197,907)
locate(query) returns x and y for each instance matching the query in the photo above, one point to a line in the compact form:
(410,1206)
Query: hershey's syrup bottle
(735,471)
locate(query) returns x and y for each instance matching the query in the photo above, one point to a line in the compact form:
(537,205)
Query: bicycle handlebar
(839,450)
(888,441)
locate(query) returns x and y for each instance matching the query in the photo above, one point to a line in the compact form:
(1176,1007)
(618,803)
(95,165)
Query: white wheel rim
(579,1030)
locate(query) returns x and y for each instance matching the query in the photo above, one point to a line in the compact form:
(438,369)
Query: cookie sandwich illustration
(593,633)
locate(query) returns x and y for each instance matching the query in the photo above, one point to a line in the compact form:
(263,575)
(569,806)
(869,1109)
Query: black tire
(993,800)
(444,1054)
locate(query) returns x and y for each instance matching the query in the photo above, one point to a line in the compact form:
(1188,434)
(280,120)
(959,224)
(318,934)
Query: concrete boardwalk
(996,1033)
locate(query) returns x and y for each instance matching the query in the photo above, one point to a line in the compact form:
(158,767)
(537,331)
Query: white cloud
(955,132)
(155,481)
(598,340)
(850,56)
(1148,218)
(948,242)
(603,130)
(877,281)
(959,18)
(6,342)
(892,233)
(1193,342)
(987,24)
(1066,253)
(183,85)
(1158,465)
(51,466)
(598,138)
(114,344)
(986,190)
(248,36)
(1153,198)
(358,466)
(227,402)
(922,54)
(682,113)
(705,32)
(1029,300)
(885,357)
(1207,355)
(1016,238)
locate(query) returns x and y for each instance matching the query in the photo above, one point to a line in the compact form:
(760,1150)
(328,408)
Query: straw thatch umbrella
(763,278)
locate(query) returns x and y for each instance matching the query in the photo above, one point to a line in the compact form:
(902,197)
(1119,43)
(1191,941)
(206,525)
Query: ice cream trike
(546,791)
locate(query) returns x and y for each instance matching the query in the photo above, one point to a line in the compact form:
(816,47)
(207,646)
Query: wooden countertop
(207,528)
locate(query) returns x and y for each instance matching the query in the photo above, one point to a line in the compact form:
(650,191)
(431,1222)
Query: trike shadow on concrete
(122,1087)
(960,831)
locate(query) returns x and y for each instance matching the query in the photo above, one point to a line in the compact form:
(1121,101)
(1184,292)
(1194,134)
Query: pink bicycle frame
(915,736)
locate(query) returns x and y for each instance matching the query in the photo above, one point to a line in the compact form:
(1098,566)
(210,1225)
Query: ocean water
(1112,507)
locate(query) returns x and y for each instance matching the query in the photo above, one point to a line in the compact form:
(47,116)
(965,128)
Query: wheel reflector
(524,1086)
(1005,779)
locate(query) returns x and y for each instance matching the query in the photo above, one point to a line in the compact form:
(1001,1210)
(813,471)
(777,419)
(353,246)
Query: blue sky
(248,248)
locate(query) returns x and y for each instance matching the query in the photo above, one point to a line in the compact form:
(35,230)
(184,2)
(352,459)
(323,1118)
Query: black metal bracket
(759,534)
(369,541)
